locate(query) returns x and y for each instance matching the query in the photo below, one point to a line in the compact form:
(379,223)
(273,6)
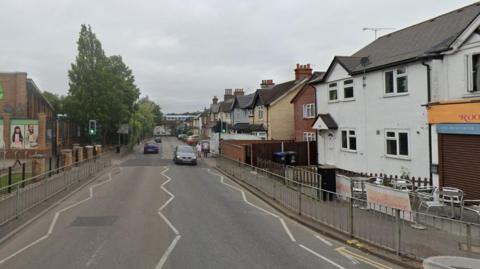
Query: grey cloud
(184,52)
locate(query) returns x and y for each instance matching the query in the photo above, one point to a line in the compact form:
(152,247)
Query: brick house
(304,111)
(272,108)
(27,118)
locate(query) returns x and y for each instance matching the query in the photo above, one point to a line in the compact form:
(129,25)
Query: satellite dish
(364,61)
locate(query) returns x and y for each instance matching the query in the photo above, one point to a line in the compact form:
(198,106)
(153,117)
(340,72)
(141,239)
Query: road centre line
(364,259)
(322,257)
(55,218)
(284,225)
(172,245)
(167,252)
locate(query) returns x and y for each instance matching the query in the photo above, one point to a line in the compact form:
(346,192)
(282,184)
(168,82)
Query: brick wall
(307,96)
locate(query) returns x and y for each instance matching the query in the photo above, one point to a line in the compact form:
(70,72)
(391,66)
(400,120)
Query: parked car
(192,140)
(150,148)
(184,155)
(158,139)
(182,137)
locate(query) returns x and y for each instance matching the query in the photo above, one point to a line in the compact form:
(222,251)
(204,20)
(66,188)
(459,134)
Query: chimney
(302,71)
(215,100)
(228,95)
(238,92)
(267,83)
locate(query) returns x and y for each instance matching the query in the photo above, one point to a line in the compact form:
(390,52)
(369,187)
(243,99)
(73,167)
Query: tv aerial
(376,29)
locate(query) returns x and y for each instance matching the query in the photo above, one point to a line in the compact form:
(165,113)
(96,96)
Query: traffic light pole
(220,137)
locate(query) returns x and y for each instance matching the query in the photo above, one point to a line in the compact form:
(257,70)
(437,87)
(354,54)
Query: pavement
(149,213)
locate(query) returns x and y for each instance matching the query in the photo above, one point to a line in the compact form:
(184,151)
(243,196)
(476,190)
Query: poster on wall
(24,134)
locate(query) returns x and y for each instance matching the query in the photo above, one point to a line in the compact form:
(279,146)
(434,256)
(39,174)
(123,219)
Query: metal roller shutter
(460,163)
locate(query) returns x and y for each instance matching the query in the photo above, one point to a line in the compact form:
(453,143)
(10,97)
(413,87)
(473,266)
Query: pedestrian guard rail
(407,233)
(23,195)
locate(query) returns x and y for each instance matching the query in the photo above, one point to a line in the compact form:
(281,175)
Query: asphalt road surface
(150,213)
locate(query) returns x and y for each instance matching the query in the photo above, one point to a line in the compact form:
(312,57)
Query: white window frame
(397,139)
(470,76)
(332,87)
(309,136)
(395,86)
(260,112)
(349,135)
(309,111)
(349,85)
(250,112)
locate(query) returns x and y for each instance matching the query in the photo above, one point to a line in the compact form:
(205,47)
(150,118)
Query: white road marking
(285,227)
(177,234)
(284,224)
(167,252)
(55,218)
(322,257)
(325,241)
(94,255)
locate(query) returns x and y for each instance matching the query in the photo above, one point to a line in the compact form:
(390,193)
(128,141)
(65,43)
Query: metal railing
(389,228)
(23,195)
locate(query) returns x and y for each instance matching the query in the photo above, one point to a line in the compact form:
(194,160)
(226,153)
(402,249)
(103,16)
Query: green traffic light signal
(92,127)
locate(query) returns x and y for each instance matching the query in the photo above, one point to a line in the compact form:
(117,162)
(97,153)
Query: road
(149,213)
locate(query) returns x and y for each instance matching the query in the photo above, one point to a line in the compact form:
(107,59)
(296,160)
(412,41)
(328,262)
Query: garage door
(460,163)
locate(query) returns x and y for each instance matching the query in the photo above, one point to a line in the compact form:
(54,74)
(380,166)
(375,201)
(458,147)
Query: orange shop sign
(454,113)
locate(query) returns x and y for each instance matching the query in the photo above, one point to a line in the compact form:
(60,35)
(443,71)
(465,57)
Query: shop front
(456,130)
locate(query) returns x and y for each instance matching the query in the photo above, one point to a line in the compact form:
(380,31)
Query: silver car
(184,155)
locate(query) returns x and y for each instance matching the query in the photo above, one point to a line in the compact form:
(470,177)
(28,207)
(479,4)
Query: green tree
(100,87)
(56,100)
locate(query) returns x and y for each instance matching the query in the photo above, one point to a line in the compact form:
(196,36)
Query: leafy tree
(57,101)
(100,87)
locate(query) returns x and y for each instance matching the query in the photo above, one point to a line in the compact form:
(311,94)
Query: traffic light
(92,127)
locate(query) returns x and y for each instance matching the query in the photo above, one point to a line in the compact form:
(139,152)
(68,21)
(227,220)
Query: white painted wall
(370,114)
(449,75)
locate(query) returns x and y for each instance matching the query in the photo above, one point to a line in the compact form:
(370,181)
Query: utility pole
(376,29)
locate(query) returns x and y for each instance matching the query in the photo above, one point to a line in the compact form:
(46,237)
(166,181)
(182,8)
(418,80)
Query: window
(260,112)
(308,136)
(396,81)
(349,140)
(396,143)
(473,67)
(332,92)
(308,111)
(250,112)
(348,89)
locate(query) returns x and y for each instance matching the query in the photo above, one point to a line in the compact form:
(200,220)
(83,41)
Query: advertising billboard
(24,134)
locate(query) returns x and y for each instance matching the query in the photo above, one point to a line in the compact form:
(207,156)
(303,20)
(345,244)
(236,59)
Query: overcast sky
(184,52)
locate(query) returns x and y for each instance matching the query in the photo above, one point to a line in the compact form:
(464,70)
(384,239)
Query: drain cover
(94,221)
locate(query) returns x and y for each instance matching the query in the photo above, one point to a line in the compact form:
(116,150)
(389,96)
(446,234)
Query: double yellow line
(345,251)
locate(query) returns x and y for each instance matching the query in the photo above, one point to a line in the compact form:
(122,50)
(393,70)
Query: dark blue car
(150,148)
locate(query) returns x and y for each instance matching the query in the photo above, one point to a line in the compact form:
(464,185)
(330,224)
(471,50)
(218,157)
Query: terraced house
(272,108)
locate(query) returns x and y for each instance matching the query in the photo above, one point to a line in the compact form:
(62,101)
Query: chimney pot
(303,71)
